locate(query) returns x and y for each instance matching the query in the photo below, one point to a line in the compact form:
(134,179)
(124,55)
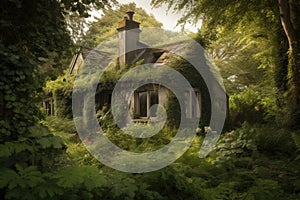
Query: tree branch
(285,17)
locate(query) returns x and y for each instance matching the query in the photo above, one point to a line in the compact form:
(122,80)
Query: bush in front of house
(249,106)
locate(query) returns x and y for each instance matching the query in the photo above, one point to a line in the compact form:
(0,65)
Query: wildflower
(198,130)
(207,129)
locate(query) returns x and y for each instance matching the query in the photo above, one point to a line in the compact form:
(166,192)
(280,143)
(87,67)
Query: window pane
(143,104)
(153,101)
(187,104)
(195,106)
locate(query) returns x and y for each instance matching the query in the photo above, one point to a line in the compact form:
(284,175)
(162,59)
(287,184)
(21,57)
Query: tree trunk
(290,17)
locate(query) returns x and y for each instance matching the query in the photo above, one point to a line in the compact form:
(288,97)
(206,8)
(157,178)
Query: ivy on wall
(196,81)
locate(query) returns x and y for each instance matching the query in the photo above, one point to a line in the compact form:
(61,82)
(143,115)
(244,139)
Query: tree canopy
(105,26)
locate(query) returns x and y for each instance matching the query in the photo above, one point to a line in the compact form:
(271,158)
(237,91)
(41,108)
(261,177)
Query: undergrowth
(251,162)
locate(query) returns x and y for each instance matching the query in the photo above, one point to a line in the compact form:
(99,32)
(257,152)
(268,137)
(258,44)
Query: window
(153,101)
(192,107)
(103,99)
(143,102)
(49,106)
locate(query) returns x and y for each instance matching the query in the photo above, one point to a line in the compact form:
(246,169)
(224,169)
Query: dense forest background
(255,45)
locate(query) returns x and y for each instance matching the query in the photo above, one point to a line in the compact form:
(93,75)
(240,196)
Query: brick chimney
(130,15)
(129,34)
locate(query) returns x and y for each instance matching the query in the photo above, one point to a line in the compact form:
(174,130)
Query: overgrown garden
(254,44)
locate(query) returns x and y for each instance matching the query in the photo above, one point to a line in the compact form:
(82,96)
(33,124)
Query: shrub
(251,107)
(274,141)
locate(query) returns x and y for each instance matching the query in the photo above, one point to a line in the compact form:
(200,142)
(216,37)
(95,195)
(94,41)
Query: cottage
(151,94)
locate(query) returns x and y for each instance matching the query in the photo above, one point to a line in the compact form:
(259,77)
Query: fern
(73,176)
(9,148)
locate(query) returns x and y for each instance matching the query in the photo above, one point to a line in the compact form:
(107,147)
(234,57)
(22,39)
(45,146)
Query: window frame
(193,110)
(137,102)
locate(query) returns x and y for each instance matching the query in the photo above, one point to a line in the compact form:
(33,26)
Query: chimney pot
(130,15)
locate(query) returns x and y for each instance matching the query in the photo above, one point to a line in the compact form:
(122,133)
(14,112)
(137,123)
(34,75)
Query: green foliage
(248,141)
(105,118)
(61,91)
(244,165)
(274,141)
(106,26)
(125,141)
(245,55)
(33,37)
(16,87)
(251,107)
(72,177)
(257,162)
(72,181)
(296,139)
(256,42)
(173,111)
(253,175)
(235,144)
(197,82)
(38,147)
(37,154)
